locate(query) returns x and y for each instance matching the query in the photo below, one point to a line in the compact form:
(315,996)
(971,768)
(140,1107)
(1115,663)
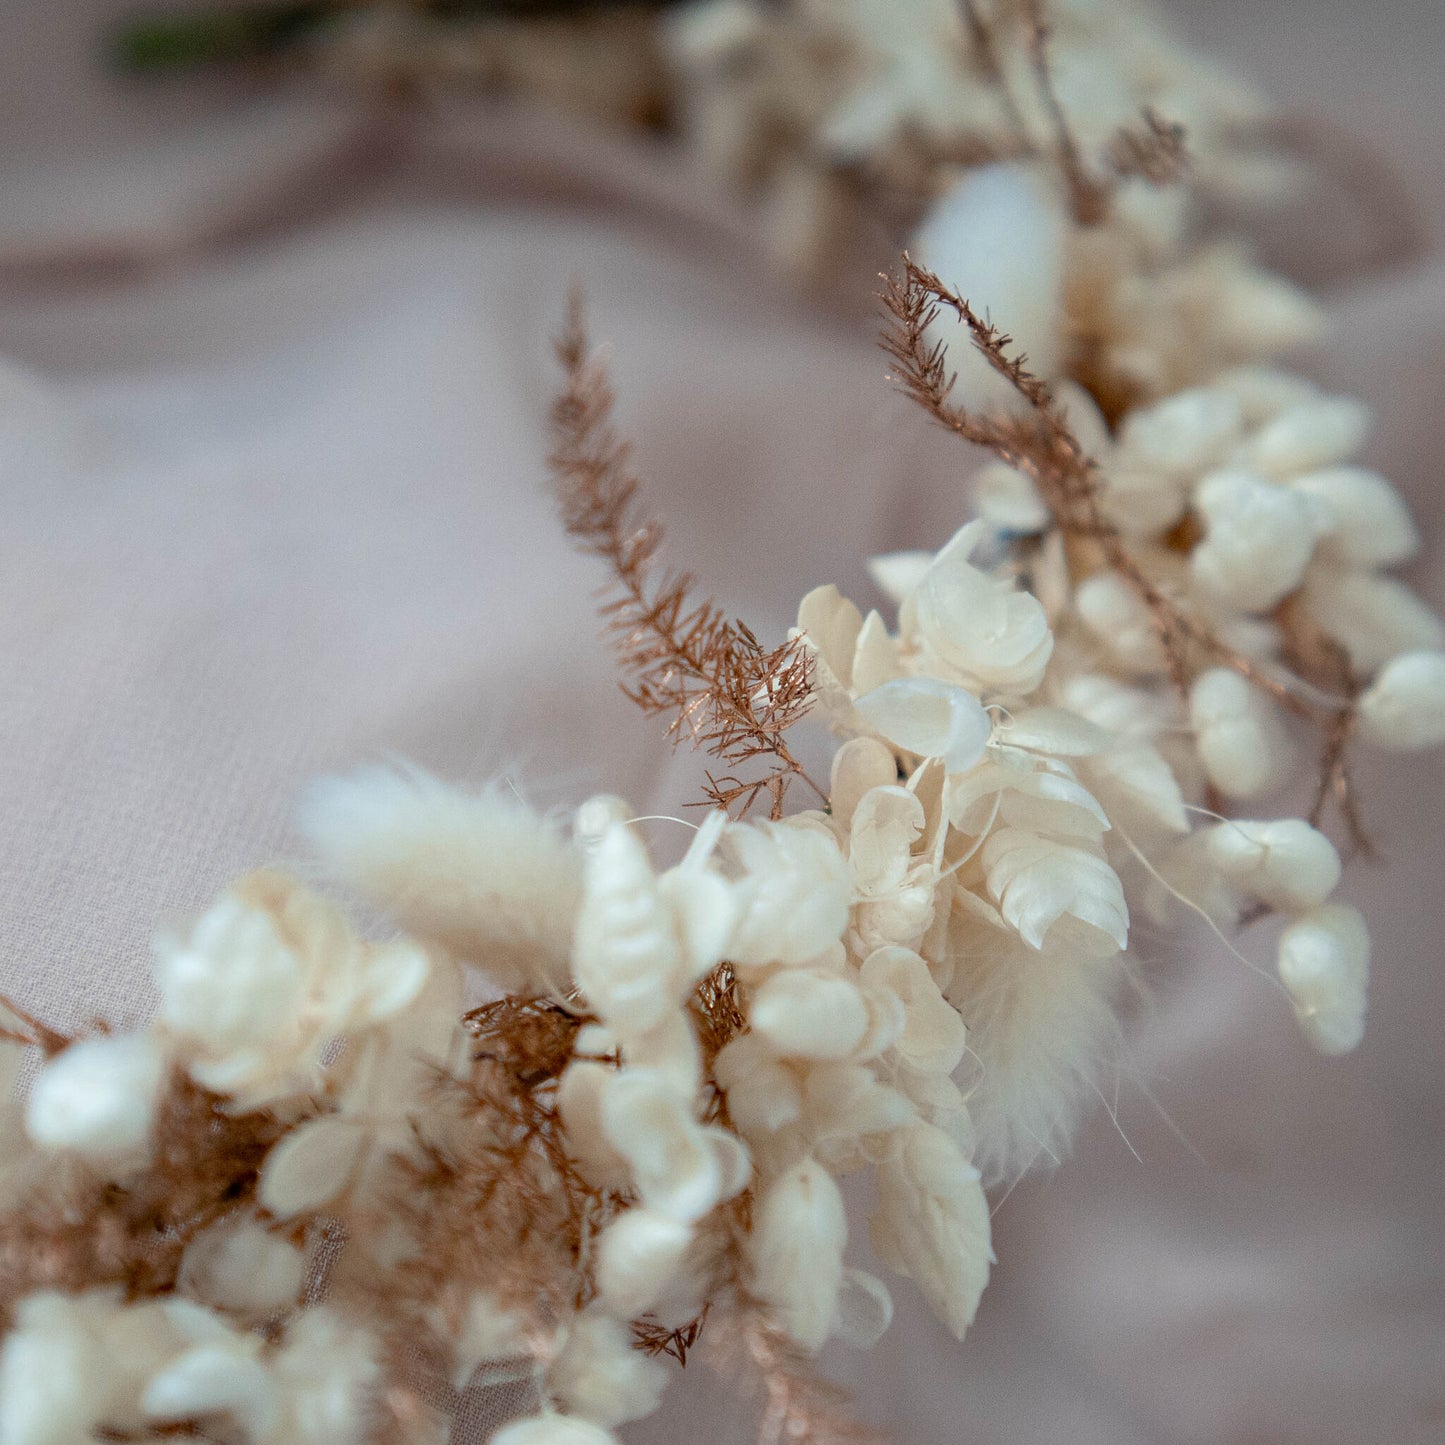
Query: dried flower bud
(795,889)
(982,628)
(641,1260)
(681,1168)
(1116,615)
(805,1014)
(1284,863)
(1405,709)
(599,1375)
(98,1097)
(1241,738)
(1310,434)
(1324,962)
(1258,542)
(1365,522)
(796,1246)
(1185,434)
(932,1222)
(763,1095)
(243,1268)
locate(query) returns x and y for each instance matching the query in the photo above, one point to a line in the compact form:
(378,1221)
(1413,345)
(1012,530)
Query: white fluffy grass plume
(480,874)
(1040,1027)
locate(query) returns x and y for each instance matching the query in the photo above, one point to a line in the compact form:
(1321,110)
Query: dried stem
(1040,444)
(1088,195)
(1156,150)
(685,659)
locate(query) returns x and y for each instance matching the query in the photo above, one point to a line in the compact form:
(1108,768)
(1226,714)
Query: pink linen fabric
(278,507)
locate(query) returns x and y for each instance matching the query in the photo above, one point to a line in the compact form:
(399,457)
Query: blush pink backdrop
(276,507)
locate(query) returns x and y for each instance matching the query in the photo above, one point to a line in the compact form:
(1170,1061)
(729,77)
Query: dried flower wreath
(319,1197)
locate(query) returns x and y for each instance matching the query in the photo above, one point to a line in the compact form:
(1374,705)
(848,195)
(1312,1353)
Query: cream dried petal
(1284,862)
(860,764)
(796,1251)
(641,1255)
(1039,883)
(804,1014)
(932,1223)
(1405,709)
(929,717)
(1053,730)
(1324,962)
(312,1165)
(1240,734)
(886,823)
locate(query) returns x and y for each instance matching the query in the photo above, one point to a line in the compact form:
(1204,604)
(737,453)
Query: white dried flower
(54,1379)
(932,1222)
(598,1374)
(268,976)
(1365,522)
(794,887)
(982,631)
(1309,434)
(681,1168)
(933,1037)
(763,1094)
(810,1014)
(997,239)
(1241,737)
(97,1098)
(244,1268)
(930,718)
(1116,615)
(480,874)
(1284,863)
(1042,885)
(1259,539)
(1184,435)
(796,1248)
(642,1262)
(1324,962)
(1405,709)
(1374,618)
(629,956)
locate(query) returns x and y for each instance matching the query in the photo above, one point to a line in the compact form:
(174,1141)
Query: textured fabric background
(280,507)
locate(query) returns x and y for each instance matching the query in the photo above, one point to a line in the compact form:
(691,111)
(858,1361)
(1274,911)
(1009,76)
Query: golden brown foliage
(74,1231)
(684,659)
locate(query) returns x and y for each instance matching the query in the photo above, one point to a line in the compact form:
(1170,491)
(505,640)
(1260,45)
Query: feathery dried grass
(683,659)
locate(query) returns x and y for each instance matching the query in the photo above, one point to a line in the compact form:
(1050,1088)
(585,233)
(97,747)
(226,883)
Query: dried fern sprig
(683,659)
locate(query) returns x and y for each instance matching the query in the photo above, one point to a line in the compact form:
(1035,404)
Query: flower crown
(322,1196)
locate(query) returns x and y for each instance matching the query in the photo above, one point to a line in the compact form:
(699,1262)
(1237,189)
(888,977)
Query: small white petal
(1241,737)
(311,1165)
(1285,863)
(809,1015)
(931,718)
(1324,962)
(98,1097)
(796,1246)
(1405,709)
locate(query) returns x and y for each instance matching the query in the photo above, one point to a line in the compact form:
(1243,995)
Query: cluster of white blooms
(319,1189)
(799,100)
